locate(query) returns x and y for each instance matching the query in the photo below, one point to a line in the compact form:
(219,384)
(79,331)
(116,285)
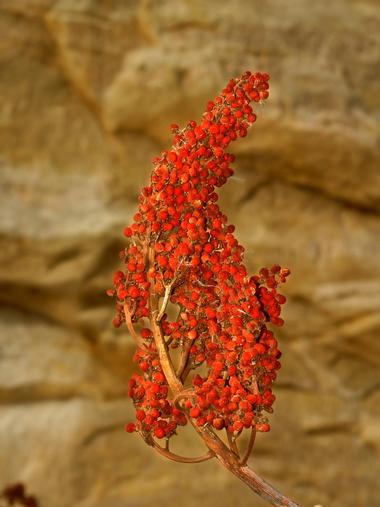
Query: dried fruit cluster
(182,252)
(183,249)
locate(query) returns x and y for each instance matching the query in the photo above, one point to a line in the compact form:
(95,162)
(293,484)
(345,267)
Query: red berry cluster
(154,413)
(181,248)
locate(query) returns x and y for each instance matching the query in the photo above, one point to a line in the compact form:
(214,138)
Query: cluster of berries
(182,250)
(154,413)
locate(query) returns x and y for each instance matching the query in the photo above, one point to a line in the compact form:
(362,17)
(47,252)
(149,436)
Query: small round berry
(192,335)
(159,432)
(195,412)
(264,427)
(140,415)
(218,423)
(130,427)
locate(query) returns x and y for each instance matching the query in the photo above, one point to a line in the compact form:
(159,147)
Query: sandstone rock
(40,360)
(88,90)
(91,461)
(44,444)
(91,41)
(295,372)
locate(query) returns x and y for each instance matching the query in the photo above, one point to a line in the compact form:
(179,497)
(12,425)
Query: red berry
(130,427)
(192,334)
(264,427)
(171,156)
(140,415)
(159,377)
(159,433)
(218,423)
(195,412)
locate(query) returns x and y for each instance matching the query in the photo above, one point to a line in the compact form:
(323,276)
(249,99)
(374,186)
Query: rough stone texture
(87,91)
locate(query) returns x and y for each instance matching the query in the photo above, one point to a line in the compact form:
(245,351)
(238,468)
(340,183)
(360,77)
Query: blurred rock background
(88,89)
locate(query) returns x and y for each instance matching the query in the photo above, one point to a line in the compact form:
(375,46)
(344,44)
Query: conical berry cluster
(182,250)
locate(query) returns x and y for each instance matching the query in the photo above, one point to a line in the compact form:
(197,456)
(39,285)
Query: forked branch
(176,457)
(251,443)
(165,302)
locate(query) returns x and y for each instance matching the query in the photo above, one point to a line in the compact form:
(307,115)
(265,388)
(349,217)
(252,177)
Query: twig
(230,461)
(186,371)
(162,348)
(164,451)
(169,341)
(130,326)
(181,459)
(251,443)
(165,302)
(185,352)
(254,385)
(185,393)
(132,330)
(232,443)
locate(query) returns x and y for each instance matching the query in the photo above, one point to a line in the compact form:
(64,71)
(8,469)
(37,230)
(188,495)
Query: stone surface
(88,90)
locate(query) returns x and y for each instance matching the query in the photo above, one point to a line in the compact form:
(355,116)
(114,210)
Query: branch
(169,341)
(232,444)
(263,488)
(185,393)
(182,459)
(130,326)
(186,371)
(254,385)
(184,358)
(249,448)
(162,348)
(132,330)
(165,302)
(230,461)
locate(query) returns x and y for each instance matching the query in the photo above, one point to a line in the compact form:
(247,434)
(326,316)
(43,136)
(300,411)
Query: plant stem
(251,442)
(230,461)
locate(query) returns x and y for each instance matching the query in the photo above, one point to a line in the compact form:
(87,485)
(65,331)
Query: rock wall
(88,89)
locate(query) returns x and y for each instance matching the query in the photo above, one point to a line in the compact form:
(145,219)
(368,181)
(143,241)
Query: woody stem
(230,461)
(184,359)
(249,448)
(176,457)
(232,444)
